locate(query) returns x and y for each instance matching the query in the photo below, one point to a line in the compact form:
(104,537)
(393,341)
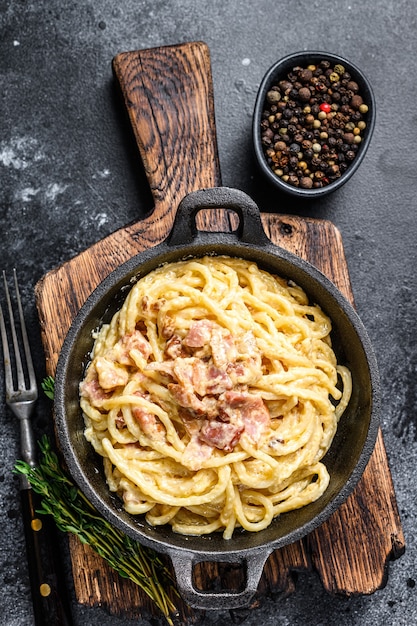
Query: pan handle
(183,564)
(249,230)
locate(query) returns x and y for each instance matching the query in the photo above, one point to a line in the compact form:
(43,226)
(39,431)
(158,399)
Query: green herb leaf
(73,513)
(48,386)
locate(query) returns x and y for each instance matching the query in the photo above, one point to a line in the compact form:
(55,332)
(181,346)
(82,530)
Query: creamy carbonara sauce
(212,397)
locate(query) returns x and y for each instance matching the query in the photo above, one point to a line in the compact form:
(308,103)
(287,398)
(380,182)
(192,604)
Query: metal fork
(20,396)
(49,595)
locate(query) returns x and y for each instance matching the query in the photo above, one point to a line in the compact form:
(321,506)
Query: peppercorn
(280,146)
(326,107)
(293,180)
(333,171)
(273,96)
(356,101)
(304,94)
(305,75)
(348,138)
(306,182)
(353,86)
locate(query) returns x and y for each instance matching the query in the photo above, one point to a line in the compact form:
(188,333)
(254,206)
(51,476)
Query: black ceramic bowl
(280,71)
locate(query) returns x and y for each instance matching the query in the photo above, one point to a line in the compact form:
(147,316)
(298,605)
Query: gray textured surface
(69,176)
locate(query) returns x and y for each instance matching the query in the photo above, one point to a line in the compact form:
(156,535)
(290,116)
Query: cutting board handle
(168,94)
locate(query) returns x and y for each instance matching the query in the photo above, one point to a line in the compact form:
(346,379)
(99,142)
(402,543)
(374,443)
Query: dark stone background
(69,175)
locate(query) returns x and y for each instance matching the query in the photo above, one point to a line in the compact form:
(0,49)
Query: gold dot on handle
(45,590)
(36,524)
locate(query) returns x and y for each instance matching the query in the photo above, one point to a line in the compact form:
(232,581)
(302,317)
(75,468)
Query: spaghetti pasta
(213,395)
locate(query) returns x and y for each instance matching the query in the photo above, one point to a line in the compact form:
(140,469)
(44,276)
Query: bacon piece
(208,379)
(185,397)
(136,341)
(120,422)
(90,388)
(223,349)
(148,422)
(199,334)
(183,372)
(244,408)
(216,341)
(191,420)
(121,351)
(145,304)
(221,435)
(110,374)
(173,347)
(167,327)
(195,453)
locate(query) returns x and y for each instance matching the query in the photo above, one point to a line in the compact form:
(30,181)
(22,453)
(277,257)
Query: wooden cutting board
(169,98)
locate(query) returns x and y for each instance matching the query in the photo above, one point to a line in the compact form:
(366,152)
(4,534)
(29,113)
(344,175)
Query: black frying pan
(351,448)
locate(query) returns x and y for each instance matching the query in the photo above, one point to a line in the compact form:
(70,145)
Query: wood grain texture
(168,94)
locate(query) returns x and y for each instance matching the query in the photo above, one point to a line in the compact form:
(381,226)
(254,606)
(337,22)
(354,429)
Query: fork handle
(49,592)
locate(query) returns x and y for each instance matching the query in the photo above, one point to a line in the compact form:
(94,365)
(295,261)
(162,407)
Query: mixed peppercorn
(312,124)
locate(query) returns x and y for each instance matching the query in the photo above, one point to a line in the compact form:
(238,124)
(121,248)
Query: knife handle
(49,592)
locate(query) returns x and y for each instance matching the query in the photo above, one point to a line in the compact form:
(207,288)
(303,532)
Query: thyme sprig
(48,386)
(73,513)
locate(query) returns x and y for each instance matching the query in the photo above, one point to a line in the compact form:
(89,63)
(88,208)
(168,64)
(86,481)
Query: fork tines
(20,379)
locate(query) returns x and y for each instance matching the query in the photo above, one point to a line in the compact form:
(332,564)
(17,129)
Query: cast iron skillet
(351,448)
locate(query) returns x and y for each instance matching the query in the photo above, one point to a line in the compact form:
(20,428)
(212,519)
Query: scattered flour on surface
(52,191)
(55,189)
(20,152)
(105,173)
(101,219)
(26,194)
